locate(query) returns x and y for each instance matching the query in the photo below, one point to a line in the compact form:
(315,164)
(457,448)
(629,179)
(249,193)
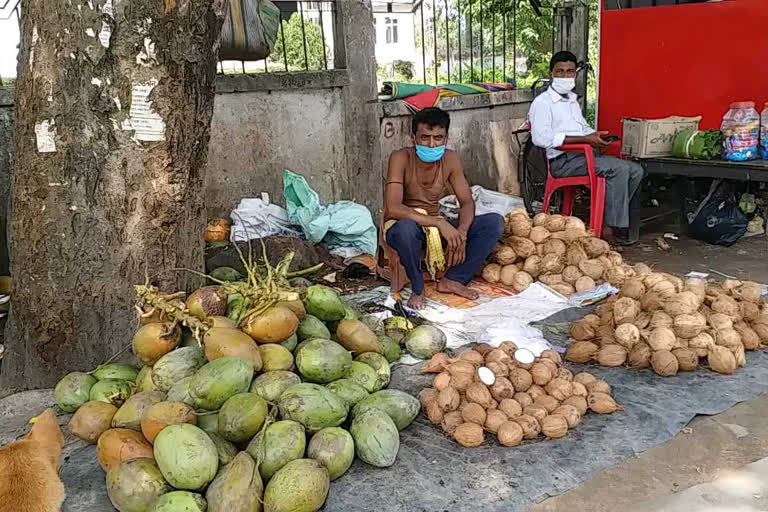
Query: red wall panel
(682,60)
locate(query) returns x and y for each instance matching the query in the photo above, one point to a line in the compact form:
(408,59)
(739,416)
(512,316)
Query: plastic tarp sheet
(341,224)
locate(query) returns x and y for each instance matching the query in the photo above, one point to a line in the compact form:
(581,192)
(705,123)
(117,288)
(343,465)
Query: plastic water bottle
(741,132)
(764,133)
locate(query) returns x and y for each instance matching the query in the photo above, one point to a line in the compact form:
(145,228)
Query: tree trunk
(113,110)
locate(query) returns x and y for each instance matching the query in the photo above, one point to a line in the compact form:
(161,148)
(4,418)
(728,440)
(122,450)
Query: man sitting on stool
(556,119)
(418,177)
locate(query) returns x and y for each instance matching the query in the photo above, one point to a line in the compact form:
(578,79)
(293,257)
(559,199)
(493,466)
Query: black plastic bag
(719,220)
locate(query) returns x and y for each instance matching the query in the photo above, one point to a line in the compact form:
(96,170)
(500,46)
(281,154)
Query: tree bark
(105,187)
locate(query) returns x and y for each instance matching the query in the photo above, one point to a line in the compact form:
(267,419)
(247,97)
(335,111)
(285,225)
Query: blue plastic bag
(342,224)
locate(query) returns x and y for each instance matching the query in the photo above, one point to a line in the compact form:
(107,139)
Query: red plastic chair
(595,183)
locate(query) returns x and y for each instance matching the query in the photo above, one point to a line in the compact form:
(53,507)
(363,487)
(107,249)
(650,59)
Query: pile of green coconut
(239,413)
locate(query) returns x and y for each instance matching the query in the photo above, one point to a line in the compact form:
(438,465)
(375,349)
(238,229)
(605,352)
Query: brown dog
(29,469)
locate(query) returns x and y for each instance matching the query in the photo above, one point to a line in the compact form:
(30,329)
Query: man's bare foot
(416,301)
(456,288)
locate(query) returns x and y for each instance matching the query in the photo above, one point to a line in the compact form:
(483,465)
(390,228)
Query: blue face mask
(428,155)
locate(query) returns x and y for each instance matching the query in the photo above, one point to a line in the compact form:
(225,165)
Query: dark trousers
(408,239)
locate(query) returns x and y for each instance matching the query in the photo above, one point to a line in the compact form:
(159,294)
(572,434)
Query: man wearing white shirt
(556,119)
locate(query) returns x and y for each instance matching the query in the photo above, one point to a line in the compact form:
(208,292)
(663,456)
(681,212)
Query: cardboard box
(649,138)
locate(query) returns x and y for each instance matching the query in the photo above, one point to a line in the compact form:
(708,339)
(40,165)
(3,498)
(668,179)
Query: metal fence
(305,40)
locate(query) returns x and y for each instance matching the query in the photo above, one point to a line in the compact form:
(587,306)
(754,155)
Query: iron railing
(305,40)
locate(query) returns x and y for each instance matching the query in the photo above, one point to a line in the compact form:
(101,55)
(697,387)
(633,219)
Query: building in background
(396,35)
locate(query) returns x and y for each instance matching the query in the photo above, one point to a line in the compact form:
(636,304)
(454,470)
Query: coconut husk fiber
(655,409)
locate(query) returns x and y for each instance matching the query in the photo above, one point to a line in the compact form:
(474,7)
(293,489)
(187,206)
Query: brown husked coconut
(721,360)
(579,402)
(687,359)
(640,356)
(579,389)
(606,261)
(539,235)
(616,276)
(554,426)
(540,219)
(552,264)
(507,275)
(560,389)
(617,260)
(575,254)
(469,435)
(472,356)
(749,337)
(532,265)
(748,291)
(461,366)
(595,246)
(570,413)
(606,330)
(688,326)
(582,331)
(536,392)
(627,335)
(592,268)
(536,411)
(563,289)
(702,341)
(632,288)
(575,223)
(478,392)
(662,338)
(581,352)
(540,250)
(519,225)
(664,288)
(599,386)
(492,272)
(541,374)
(661,319)
(593,320)
(643,320)
(728,338)
(427,395)
(473,413)
(602,403)
(549,364)
(625,310)
(584,283)
(652,302)
(612,355)
(729,285)
(696,286)
(434,412)
(749,311)
(584,378)
(550,279)
(494,419)
(449,399)
(498,355)
(505,255)
(509,347)
(522,246)
(762,332)
(451,420)
(554,246)
(571,274)
(510,434)
(565,373)
(498,369)
(510,407)
(462,381)
(680,343)
(664,363)
(555,223)
(442,381)
(641,269)
(437,364)
(551,355)
(523,398)
(650,280)
(483,348)
(530,425)
(522,281)
(502,388)
(740,355)
(683,303)
(726,305)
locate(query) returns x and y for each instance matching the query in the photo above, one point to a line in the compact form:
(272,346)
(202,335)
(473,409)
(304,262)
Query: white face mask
(563,85)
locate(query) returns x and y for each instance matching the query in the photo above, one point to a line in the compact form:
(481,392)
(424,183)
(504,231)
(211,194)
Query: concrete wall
(481,133)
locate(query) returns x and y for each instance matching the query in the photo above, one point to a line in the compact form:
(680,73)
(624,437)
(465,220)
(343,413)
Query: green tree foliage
(291,32)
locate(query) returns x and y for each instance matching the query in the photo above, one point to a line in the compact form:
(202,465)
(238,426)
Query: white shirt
(554,117)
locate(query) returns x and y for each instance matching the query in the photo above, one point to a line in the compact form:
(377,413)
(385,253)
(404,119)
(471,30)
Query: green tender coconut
(379,364)
(112,391)
(130,413)
(180,392)
(300,486)
(226,450)
(73,391)
(116,371)
(179,501)
(237,488)
(400,406)
(334,448)
(364,375)
(349,390)
(313,406)
(391,348)
(176,365)
(186,456)
(324,303)
(377,439)
(280,443)
(135,484)
(144,380)
(311,327)
(322,361)
(218,380)
(241,417)
(270,385)
(425,341)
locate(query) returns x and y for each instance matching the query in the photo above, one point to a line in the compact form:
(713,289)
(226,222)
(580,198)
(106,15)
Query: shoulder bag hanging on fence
(250,30)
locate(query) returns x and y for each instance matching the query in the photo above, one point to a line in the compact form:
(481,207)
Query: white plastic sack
(257,218)
(486,201)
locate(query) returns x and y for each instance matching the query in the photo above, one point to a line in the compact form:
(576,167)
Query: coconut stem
(115,356)
(304,272)
(151,297)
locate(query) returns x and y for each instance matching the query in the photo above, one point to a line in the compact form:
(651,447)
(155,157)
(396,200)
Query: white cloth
(258,218)
(554,117)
